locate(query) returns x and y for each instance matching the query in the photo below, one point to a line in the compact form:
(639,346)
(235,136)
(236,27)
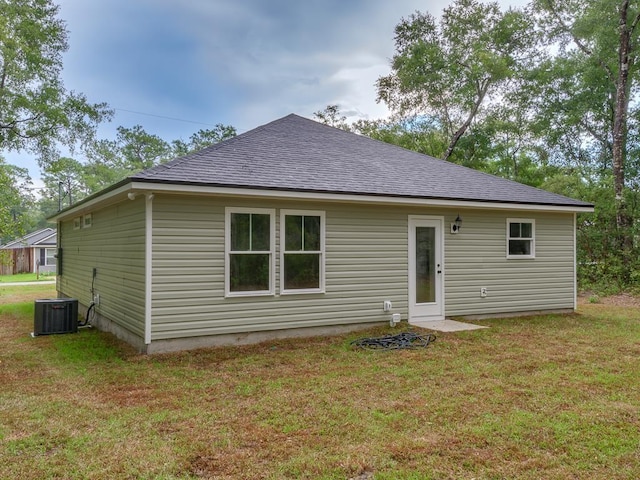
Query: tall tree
(449,70)
(36,111)
(597,42)
(65,182)
(141,150)
(15,200)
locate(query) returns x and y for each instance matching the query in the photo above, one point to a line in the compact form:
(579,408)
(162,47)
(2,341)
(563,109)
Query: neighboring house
(31,253)
(298,228)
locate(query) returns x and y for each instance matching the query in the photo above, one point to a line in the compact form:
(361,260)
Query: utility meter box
(55,315)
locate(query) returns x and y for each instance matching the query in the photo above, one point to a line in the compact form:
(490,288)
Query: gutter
(118,192)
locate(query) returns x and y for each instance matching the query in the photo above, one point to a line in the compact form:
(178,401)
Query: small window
(50,258)
(302,251)
(77,223)
(249,245)
(520,238)
(87,221)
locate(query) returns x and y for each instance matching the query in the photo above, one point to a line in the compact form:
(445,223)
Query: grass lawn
(548,397)
(27,277)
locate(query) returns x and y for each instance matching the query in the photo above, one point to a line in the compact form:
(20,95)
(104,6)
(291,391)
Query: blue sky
(237,62)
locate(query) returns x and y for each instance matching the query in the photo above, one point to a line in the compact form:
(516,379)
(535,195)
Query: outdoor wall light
(455,226)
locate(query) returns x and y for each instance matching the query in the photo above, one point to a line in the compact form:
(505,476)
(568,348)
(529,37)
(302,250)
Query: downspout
(148,266)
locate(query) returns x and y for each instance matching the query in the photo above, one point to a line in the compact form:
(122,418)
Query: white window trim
(46,257)
(533,238)
(87,220)
(308,213)
(77,223)
(227,250)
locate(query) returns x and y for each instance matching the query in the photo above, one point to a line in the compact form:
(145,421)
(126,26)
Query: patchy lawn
(553,396)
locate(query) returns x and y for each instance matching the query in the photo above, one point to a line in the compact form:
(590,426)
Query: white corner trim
(575,263)
(148,265)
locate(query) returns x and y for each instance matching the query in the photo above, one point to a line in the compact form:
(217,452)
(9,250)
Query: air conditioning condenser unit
(55,315)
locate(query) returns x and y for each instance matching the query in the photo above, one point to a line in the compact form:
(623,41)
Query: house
(298,228)
(32,253)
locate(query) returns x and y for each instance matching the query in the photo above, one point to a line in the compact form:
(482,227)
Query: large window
(249,245)
(302,251)
(521,238)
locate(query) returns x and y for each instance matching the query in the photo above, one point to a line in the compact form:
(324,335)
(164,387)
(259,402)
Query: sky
(175,67)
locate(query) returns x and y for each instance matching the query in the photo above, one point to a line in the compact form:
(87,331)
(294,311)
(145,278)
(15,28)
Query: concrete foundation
(529,313)
(178,344)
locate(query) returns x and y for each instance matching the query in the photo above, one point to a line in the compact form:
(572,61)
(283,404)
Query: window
(77,223)
(249,245)
(302,251)
(520,238)
(50,258)
(87,221)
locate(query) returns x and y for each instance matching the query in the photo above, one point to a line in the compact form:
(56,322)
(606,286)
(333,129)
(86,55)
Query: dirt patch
(620,300)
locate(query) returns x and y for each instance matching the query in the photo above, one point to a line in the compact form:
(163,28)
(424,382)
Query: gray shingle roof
(44,237)
(297,154)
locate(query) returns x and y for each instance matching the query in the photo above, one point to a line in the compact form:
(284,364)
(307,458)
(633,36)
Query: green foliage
(202,139)
(448,70)
(331,116)
(594,76)
(109,161)
(15,200)
(36,111)
(534,95)
(134,149)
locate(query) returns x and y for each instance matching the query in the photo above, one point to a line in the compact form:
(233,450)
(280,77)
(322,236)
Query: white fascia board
(121,192)
(348,198)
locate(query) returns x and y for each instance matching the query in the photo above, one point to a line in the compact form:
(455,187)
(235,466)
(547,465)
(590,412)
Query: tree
(36,111)
(449,70)
(202,139)
(332,116)
(65,183)
(15,200)
(597,42)
(141,150)
(109,161)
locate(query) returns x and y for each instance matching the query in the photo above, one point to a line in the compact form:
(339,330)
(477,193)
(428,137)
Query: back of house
(297,228)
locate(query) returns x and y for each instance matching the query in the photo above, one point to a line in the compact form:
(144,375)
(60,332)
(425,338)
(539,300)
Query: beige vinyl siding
(366,257)
(366,263)
(114,245)
(476,258)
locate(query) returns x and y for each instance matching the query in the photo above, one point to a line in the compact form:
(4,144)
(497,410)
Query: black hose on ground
(404,340)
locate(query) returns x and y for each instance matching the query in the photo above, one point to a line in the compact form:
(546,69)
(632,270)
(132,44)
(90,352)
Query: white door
(426,269)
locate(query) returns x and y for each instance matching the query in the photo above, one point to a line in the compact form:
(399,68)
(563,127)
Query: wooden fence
(15,260)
